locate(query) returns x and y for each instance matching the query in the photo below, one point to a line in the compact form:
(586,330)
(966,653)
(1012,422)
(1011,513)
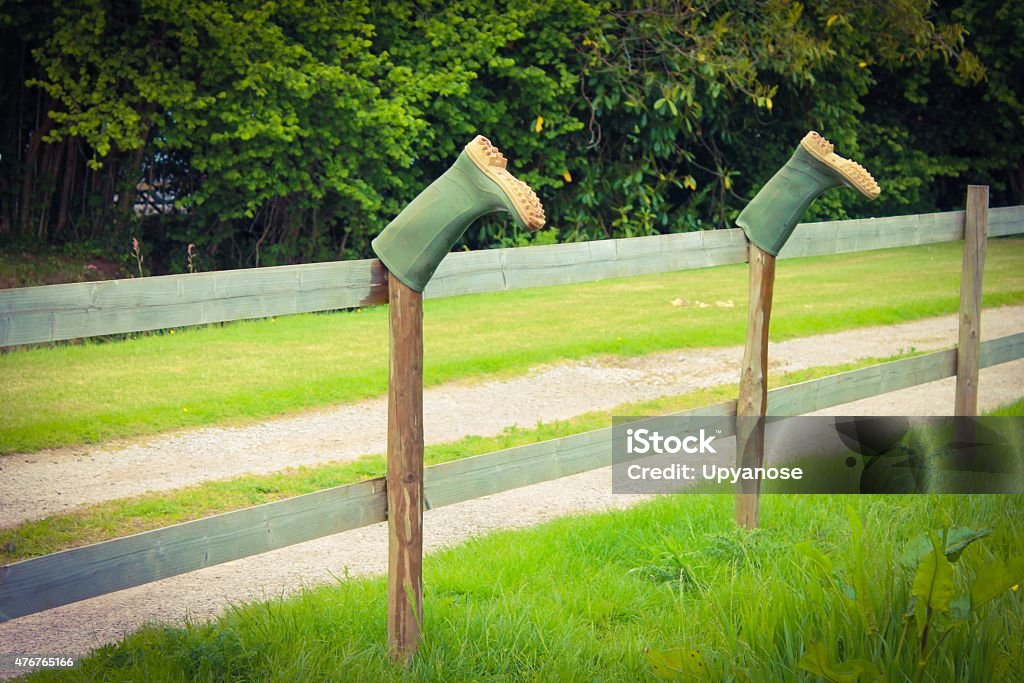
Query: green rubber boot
(413,244)
(769,218)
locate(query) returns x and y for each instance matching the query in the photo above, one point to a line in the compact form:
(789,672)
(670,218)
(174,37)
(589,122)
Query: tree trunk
(1017,182)
(53,161)
(129,185)
(31,161)
(70,168)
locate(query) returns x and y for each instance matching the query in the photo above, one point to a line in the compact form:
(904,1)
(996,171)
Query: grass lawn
(582,598)
(80,393)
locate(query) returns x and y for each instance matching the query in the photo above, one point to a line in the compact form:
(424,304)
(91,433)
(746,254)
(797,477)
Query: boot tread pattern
(492,162)
(855,174)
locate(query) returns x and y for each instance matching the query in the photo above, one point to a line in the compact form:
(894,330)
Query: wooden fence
(42,314)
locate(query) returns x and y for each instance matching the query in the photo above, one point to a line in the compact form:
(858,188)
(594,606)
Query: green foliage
(677,664)
(281,113)
(993,579)
(956,541)
(956,117)
(293,131)
(933,604)
(818,662)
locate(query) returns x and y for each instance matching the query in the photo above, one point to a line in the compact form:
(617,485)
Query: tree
(293,131)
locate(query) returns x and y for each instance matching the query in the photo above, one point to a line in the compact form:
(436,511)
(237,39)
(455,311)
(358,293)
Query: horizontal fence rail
(50,581)
(42,314)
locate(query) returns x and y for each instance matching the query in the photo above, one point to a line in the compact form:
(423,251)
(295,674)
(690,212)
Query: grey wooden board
(503,470)
(1008,220)
(52,580)
(1001,350)
(42,314)
(838,237)
(806,397)
(508,269)
(58,579)
(461,480)
(812,239)
(476,272)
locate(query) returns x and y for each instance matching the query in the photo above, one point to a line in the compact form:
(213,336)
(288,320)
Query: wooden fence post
(753,398)
(975,235)
(968,346)
(405,469)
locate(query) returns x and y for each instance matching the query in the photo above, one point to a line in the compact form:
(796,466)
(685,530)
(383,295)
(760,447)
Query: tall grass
(580,599)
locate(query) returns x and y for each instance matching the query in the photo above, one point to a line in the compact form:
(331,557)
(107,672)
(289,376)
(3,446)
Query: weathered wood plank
(839,237)
(515,467)
(482,475)
(41,314)
(499,471)
(1008,220)
(865,234)
(825,392)
(508,269)
(559,264)
(468,272)
(58,579)
(1002,350)
(975,235)
(806,397)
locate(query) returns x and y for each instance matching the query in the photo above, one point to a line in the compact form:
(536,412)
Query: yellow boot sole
(493,163)
(856,176)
